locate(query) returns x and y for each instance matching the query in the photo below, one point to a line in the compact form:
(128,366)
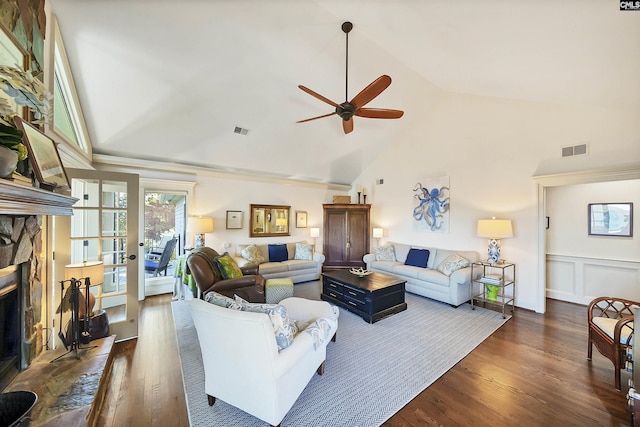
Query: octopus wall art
(433,205)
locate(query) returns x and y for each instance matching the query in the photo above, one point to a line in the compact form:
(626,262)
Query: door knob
(132,257)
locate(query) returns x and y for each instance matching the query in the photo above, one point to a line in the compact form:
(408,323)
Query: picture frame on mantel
(611,219)
(44,157)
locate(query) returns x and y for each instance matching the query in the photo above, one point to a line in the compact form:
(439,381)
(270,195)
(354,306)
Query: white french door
(104,227)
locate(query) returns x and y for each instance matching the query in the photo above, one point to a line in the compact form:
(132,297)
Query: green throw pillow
(228,267)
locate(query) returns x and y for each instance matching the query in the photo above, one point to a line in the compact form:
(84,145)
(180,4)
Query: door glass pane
(114,223)
(84,223)
(114,194)
(86,191)
(115,280)
(84,250)
(114,251)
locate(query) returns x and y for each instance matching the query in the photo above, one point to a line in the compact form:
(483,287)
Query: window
(68,124)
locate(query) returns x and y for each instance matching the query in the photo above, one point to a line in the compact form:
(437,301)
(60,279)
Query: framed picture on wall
(611,219)
(234,220)
(301,219)
(44,157)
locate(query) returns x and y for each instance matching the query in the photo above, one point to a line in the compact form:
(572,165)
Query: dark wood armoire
(346,235)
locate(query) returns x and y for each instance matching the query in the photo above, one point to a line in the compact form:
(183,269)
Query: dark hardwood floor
(532,372)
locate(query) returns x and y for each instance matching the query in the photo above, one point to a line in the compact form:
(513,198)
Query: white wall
(568,221)
(490,148)
(581,267)
(214,196)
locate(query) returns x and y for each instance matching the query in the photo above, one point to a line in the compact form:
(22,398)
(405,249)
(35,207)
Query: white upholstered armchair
(242,364)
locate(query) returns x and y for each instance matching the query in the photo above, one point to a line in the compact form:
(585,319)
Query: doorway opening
(164,236)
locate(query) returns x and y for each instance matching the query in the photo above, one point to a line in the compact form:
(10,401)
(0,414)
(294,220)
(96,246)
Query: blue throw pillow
(417,257)
(278,253)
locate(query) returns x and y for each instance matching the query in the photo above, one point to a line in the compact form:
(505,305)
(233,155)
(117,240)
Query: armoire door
(346,235)
(358,237)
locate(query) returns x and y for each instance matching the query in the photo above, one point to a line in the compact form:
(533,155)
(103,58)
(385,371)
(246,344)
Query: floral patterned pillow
(284,328)
(303,251)
(385,253)
(252,253)
(227,266)
(452,263)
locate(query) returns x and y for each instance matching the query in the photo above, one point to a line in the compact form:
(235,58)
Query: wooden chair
(163,262)
(610,323)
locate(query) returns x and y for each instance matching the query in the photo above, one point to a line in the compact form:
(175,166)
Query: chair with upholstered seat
(610,323)
(243,363)
(201,265)
(162,263)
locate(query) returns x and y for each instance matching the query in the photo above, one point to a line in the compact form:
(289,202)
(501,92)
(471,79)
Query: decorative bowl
(360,272)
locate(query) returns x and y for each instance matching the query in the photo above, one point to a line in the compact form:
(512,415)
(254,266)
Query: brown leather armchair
(201,265)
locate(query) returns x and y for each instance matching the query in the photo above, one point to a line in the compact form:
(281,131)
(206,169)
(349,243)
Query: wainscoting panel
(579,279)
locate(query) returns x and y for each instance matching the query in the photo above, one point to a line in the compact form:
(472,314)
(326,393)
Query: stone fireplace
(21,293)
(23,273)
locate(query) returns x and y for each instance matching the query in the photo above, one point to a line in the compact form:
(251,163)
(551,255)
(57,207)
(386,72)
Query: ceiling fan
(348,109)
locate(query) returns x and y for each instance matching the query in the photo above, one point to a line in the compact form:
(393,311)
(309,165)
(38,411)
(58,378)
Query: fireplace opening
(10,341)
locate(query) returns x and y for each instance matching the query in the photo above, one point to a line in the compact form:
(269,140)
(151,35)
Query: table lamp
(314,233)
(199,225)
(494,230)
(377,234)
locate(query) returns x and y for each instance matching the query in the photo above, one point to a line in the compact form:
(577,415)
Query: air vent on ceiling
(241,131)
(576,150)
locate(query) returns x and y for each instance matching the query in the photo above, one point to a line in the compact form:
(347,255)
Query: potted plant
(25,91)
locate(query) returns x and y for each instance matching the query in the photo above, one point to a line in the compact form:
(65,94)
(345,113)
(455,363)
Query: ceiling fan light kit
(348,109)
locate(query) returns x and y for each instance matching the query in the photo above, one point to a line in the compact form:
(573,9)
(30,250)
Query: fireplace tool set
(78,327)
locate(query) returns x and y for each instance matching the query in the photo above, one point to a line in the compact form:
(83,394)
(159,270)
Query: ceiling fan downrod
(346,27)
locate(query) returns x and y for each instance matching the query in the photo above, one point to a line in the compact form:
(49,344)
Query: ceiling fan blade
(371,91)
(318,96)
(314,118)
(379,113)
(347,125)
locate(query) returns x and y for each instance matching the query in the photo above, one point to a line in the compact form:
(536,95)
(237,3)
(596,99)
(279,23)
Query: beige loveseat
(454,289)
(299,270)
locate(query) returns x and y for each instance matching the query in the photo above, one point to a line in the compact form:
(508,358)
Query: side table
(497,283)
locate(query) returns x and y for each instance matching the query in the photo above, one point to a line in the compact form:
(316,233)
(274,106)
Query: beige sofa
(454,289)
(296,269)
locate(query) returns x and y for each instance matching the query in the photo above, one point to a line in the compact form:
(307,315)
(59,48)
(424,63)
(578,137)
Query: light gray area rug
(371,372)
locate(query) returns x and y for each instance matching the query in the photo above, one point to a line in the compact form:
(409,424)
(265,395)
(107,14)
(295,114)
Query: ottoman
(278,289)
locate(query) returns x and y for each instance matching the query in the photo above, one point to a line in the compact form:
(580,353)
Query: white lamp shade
(495,228)
(314,232)
(94,270)
(199,224)
(377,233)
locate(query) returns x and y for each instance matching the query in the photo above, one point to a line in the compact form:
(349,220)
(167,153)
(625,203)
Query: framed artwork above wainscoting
(611,219)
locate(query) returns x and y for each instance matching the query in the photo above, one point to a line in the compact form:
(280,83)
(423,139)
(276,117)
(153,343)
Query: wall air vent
(576,150)
(241,131)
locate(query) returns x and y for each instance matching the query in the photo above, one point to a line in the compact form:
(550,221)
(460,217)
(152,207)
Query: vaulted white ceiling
(170,80)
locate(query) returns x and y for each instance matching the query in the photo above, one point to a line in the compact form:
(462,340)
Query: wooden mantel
(18,199)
